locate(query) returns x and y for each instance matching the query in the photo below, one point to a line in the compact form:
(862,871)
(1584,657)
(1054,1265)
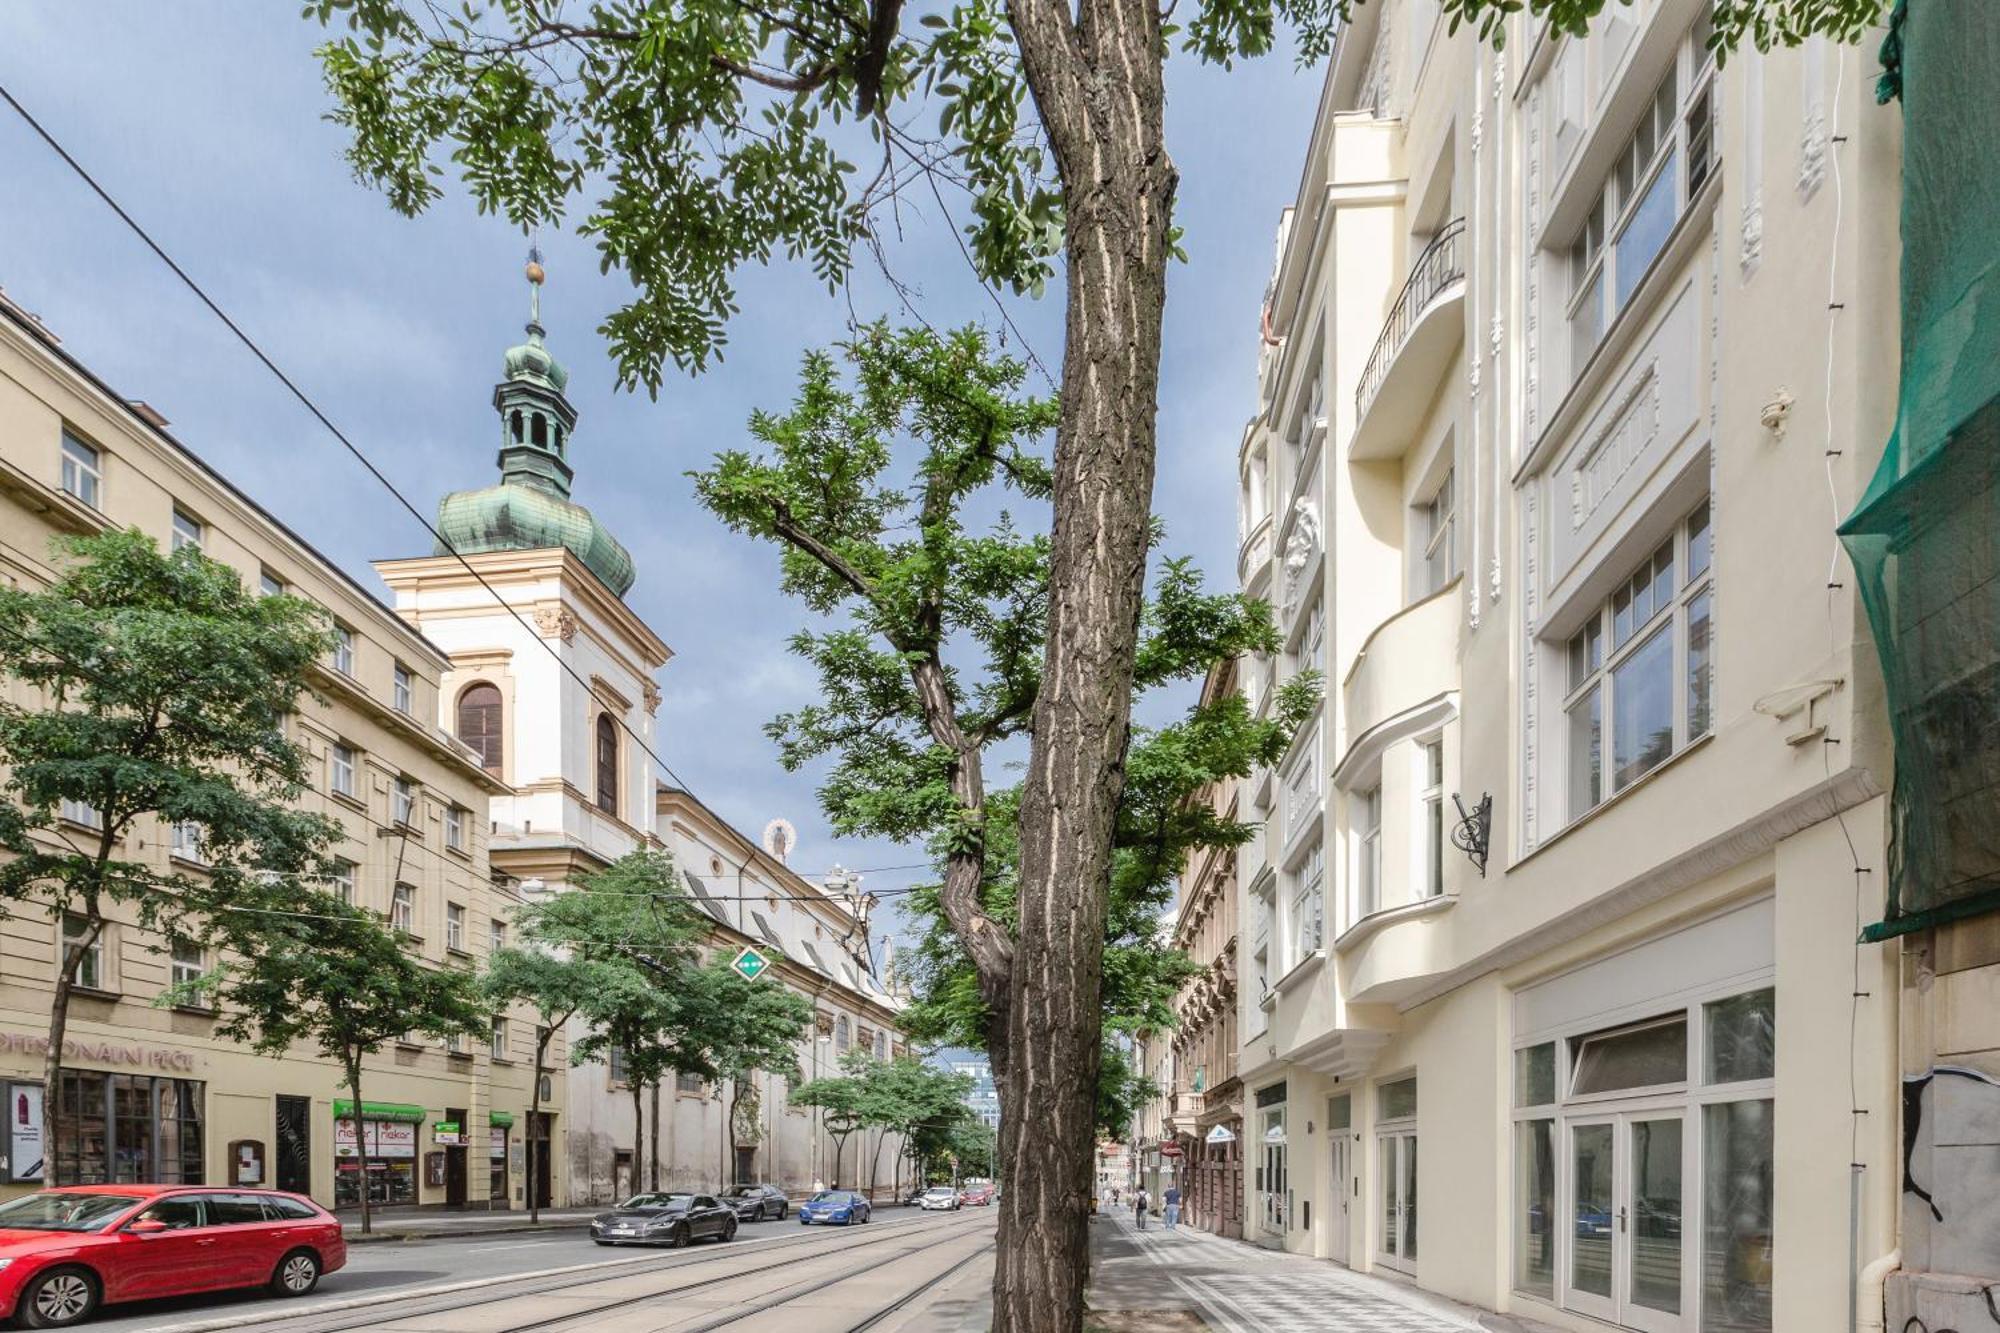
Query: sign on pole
(750,964)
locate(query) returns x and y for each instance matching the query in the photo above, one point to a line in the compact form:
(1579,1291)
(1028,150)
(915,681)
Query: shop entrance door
(454,1160)
(543,1194)
(1626,1198)
(1340,1175)
(294,1166)
(1397,1155)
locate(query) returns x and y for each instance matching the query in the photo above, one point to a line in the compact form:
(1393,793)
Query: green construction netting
(1925,539)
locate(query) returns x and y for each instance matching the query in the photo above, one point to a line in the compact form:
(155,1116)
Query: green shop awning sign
(343,1109)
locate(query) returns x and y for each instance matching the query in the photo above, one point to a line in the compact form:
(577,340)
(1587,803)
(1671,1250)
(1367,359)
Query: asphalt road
(484,1265)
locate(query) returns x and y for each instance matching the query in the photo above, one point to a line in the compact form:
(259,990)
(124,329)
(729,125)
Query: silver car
(939,1197)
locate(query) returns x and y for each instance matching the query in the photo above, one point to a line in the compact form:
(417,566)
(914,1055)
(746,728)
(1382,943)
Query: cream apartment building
(550,677)
(1574,354)
(162,1096)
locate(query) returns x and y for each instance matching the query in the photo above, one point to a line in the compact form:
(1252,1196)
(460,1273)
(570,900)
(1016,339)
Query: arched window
(479,719)
(538,432)
(881,1046)
(607,764)
(840,1035)
(516,422)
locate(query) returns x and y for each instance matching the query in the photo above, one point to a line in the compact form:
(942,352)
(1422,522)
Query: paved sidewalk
(1245,1288)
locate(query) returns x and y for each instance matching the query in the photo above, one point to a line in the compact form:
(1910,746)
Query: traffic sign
(750,964)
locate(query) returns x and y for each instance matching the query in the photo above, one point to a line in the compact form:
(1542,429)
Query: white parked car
(939,1196)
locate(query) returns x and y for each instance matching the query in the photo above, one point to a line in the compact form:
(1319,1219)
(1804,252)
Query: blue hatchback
(843,1207)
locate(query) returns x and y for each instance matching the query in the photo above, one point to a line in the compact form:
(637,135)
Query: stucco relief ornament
(1812,151)
(1753,233)
(746,1117)
(1493,578)
(651,694)
(555,622)
(1300,548)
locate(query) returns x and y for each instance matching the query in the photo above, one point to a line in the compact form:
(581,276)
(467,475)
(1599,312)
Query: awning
(343,1109)
(500,1119)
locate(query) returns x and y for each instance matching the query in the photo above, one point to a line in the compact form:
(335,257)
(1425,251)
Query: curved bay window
(479,721)
(607,764)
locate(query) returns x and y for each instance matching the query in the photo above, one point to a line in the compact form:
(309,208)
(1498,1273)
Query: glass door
(1397,1154)
(1626,1196)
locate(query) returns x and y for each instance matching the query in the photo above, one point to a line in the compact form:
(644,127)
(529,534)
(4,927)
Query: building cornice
(504,568)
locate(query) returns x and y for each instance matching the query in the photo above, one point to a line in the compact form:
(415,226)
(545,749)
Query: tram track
(393,1313)
(741,1313)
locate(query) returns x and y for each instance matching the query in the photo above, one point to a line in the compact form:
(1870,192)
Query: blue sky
(205,119)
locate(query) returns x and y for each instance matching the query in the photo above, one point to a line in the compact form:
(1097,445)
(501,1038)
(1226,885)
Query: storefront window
(1535,1207)
(129,1129)
(1737,1151)
(392,1162)
(1742,1037)
(497,1152)
(1641,1056)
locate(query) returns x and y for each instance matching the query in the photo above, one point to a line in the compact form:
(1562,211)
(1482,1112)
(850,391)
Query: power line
(442,543)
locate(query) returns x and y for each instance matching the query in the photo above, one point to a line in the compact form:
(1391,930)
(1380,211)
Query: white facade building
(552,682)
(1575,354)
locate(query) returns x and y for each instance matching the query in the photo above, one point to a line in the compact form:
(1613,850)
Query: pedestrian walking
(1173,1206)
(1139,1204)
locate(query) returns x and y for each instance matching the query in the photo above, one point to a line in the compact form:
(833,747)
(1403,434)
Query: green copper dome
(520,517)
(531,509)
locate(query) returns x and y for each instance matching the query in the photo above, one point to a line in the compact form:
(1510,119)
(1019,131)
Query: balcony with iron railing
(1418,340)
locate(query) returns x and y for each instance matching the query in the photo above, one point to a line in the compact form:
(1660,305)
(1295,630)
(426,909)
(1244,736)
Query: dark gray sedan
(664,1219)
(755,1203)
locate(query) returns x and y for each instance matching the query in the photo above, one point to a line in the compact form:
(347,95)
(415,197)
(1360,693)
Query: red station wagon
(64,1252)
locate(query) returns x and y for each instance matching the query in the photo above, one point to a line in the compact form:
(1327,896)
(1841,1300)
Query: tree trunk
(360,1141)
(55,1106)
(655,1141)
(729,1129)
(1098,84)
(638,1138)
(542,1041)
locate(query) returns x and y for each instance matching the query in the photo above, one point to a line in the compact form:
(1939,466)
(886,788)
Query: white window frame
(454,927)
(269,584)
(187,531)
(185,842)
(1690,1097)
(340,765)
(345,876)
(402,693)
(403,908)
(1679,120)
(1440,515)
(1431,828)
(343,650)
(182,970)
(403,802)
(1590,657)
(496,1038)
(1395,1138)
(496,935)
(81,813)
(1366,806)
(1307,906)
(90,974)
(454,827)
(82,472)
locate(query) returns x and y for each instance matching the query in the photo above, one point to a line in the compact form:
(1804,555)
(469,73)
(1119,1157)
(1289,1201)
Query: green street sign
(750,964)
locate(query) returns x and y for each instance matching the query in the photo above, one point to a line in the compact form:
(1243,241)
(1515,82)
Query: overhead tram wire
(443,544)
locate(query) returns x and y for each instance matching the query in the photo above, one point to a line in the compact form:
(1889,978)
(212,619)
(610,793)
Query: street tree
(307,967)
(871,485)
(631,929)
(728,1027)
(156,690)
(557,982)
(714,133)
(899,1095)
(838,1098)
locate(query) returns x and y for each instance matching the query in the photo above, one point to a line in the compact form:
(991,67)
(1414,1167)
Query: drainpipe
(1868,1300)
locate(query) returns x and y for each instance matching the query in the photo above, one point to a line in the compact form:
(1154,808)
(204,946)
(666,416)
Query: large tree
(706,134)
(872,484)
(310,968)
(156,695)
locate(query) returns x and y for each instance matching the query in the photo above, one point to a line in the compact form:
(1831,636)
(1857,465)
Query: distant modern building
(984,1098)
